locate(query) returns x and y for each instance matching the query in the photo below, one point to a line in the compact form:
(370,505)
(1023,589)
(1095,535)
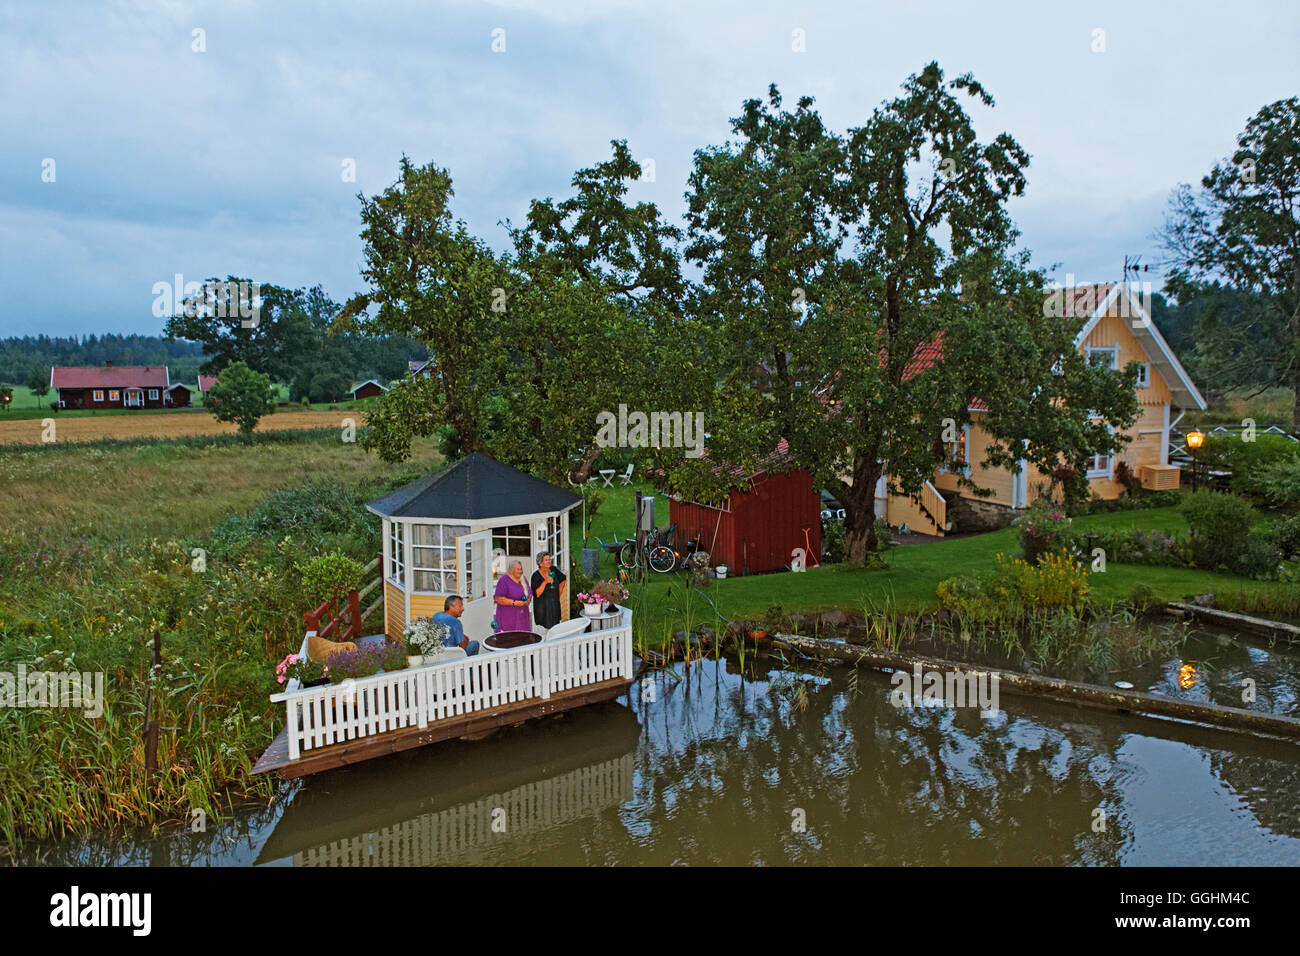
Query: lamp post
(1195,439)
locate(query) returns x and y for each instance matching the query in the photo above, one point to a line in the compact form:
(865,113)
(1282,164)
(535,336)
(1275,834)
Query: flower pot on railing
(591,610)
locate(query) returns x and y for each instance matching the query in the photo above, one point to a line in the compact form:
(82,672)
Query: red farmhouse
(112,386)
(760,522)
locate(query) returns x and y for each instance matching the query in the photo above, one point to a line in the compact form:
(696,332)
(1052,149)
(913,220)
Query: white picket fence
(420,696)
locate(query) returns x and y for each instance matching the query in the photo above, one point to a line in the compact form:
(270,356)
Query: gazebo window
(396,561)
(433,556)
(515,541)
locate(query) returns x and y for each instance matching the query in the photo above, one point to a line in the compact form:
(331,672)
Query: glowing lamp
(1195,439)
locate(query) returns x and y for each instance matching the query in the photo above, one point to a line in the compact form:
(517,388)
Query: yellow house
(1116,329)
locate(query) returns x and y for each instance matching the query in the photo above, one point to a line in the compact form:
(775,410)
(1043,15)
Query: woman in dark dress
(546,582)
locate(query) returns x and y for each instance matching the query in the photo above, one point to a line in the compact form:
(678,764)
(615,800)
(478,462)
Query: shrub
(1286,534)
(1042,529)
(1018,589)
(1259,558)
(1246,458)
(1143,597)
(833,541)
(1220,527)
(330,576)
(1278,483)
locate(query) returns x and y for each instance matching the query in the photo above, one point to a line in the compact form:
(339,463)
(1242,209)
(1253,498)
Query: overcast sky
(230,160)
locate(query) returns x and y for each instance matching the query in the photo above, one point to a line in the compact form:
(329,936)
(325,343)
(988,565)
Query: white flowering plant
(426,636)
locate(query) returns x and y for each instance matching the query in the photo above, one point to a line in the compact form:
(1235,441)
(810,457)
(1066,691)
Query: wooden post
(150,722)
(354,615)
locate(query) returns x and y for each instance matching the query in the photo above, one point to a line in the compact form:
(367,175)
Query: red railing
(345,624)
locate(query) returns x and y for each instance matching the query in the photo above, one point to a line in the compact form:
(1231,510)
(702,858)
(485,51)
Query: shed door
(474,565)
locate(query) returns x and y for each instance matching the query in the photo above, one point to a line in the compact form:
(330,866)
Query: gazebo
(441,534)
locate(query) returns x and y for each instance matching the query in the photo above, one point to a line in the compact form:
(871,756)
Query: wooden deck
(277,759)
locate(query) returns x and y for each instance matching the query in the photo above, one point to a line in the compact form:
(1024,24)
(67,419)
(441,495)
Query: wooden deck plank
(276,759)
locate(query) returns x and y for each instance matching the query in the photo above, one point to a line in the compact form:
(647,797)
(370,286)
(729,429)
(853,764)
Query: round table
(509,640)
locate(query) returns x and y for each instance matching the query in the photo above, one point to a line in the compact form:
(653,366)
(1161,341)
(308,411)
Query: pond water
(800,763)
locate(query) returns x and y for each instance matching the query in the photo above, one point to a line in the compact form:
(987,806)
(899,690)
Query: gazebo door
(474,580)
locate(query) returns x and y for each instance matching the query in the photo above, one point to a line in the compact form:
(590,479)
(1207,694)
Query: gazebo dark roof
(474,488)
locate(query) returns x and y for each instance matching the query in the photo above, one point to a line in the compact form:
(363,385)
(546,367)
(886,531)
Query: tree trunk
(860,509)
(584,468)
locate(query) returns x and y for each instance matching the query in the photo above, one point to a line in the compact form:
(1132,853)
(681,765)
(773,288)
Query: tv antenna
(1134,266)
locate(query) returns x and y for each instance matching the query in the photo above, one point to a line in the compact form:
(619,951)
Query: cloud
(229,160)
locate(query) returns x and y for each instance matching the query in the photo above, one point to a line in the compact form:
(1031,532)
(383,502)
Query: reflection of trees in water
(1270,788)
(878,785)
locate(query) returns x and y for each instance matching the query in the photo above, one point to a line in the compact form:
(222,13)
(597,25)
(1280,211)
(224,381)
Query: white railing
(417,697)
(461,833)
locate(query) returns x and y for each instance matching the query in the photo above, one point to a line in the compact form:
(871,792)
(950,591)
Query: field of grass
(1274,406)
(87,427)
(95,555)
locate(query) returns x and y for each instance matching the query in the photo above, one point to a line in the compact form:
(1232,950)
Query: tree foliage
(241,396)
(870,287)
(1235,243)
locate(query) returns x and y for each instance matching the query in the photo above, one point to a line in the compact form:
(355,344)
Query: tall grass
(97,554)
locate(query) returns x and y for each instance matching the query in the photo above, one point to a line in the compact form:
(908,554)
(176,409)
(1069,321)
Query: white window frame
(502,539)
(952,447)
(1113,350)
(1107,470)
(97,395)
(153,394)
(1144,375)
(441,548)
(397,554)
(114,395)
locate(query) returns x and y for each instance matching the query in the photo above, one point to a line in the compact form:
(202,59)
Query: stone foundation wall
(968,515)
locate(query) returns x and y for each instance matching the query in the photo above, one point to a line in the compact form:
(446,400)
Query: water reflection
(794,764)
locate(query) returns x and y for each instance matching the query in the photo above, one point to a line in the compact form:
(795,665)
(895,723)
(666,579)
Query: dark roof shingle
(474,488)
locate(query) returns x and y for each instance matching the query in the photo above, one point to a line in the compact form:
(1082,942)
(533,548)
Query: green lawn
(914,570)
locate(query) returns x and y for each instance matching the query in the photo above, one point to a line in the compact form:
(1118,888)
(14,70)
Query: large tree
(873,343)
(527,348)
(276,339)
(1236,247)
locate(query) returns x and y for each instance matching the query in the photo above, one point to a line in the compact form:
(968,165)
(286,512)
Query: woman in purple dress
(512,600)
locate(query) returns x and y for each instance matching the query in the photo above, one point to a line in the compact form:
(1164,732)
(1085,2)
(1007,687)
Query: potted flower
(611,592)
(424,638)
(366,662)
(591,603)
(307,672)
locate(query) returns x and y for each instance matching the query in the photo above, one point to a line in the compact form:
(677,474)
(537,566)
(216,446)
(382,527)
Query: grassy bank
(96,553)
(908,584)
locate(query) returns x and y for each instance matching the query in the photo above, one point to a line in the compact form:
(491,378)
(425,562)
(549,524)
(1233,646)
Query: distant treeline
(313,364)
(19,355)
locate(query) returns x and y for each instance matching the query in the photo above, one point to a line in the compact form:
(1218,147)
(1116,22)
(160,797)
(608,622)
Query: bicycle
(656,553)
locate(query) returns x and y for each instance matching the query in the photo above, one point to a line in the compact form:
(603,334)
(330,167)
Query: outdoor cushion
(320,649)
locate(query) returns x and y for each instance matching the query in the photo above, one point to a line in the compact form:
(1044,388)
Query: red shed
(761,521)
(368,390)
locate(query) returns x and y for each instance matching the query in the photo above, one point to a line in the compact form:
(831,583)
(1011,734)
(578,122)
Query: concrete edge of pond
(1238,622)
(1142,704)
